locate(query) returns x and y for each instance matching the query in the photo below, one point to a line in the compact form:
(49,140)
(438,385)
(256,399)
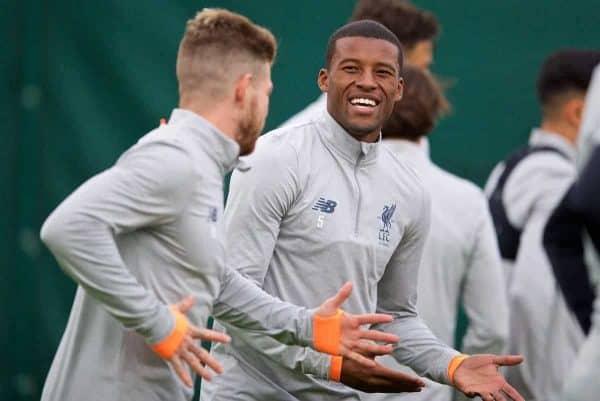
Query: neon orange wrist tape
(327,333)
(167,347)
(454,364)
(335,369)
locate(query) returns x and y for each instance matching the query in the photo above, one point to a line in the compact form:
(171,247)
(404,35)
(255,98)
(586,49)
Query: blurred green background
(81,81)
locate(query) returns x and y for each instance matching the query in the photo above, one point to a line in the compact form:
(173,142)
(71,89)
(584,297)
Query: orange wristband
(167,347)
(335,369)
(454,364)
(327,333)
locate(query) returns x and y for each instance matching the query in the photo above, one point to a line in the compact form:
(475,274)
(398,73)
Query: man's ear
(573,111)
(323,80)
(241,87)
(400,91)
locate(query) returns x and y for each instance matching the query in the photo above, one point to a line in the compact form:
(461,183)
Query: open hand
(354,341)
(478,375)
(190,352)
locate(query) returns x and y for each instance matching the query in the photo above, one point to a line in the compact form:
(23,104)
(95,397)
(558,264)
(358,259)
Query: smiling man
(324,203)
(416,30)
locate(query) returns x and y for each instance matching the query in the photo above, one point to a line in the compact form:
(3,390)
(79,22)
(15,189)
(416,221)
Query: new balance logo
(325,206)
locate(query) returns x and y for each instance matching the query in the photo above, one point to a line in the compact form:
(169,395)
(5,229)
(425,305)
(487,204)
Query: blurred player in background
(572,240)
(460,259)
(416,29)
(325,202)
(146,233)
(523,191)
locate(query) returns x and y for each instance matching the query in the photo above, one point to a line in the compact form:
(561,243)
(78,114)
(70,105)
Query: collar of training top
(344,143)
(540,137)
(224,150)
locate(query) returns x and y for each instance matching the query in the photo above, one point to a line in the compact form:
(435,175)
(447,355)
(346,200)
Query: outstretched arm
(419,348)
(327,328)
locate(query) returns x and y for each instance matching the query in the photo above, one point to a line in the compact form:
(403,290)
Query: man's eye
(384,72)
(350,68)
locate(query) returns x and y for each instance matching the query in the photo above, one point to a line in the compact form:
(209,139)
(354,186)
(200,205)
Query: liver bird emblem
(386,216)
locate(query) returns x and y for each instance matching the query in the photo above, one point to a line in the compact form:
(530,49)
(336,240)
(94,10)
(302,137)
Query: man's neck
(560,128)
(398,138)
(369,138)
(218,115)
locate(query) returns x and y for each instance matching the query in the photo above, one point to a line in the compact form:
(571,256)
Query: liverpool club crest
(386,220)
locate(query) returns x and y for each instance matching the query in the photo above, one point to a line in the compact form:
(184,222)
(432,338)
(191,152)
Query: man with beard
(145,233)
(323,203)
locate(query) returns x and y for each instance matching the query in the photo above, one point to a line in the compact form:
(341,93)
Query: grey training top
(318,208)
(137,237)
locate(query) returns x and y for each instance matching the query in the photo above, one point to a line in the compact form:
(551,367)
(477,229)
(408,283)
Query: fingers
(208,335)
(373,318)
(372,349)
(205,358)
(499,396)
(388,386)
(398,377)
(508,360)
(512,393)
(185,304)
(376,335)
(196,358)
(342,295)
(410,385)
(181,371)
(360,359)
(194,363)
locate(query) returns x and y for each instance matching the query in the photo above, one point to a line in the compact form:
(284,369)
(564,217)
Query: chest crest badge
(386,221)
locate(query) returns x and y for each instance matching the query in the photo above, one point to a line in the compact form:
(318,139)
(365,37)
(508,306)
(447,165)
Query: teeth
(363,102)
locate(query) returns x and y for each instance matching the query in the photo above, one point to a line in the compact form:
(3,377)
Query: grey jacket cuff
(158,328)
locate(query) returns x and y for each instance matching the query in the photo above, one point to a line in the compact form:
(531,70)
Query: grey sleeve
(397,295)
(145,188)
(258,200)
(243,304)
(484,291)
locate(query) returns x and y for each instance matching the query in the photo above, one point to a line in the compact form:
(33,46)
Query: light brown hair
(218,46)
(422,103)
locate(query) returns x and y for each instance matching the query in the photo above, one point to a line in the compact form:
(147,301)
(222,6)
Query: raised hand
(478,375)
(340,333)
(378,379)
(189,351)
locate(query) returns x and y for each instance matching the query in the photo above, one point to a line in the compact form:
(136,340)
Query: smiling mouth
(363,101)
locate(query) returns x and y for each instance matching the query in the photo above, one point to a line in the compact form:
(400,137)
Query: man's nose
(366,81)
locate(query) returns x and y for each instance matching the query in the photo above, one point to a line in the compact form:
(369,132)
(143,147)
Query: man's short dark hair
(365,29)
(422,103)
(410,24)
(565,71)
